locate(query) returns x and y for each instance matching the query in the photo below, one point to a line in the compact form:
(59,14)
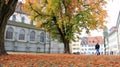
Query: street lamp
(105,35)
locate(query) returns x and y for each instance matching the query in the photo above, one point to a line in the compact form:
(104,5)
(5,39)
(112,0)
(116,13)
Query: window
(9,33)
(32,36)
(74,48)
(23,19)
(42,37)
(14,17)
(22,35)
(74,44)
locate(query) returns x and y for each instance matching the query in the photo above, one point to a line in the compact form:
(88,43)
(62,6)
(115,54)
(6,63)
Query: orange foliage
(58,60)
(38,24)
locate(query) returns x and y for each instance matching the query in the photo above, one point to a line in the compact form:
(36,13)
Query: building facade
(114,39)
(113,42)
(88,45)
(75,47)
(118,32)
(21,35)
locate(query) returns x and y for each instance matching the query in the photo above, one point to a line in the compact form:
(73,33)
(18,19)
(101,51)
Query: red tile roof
(95,40)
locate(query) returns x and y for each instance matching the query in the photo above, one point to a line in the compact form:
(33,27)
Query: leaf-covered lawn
(58,60)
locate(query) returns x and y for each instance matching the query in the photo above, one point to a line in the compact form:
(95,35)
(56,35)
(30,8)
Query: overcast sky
(113,8)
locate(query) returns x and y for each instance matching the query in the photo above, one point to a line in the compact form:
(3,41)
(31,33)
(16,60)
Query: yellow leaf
(38,24)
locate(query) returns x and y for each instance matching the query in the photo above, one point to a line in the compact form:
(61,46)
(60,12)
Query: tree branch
(36,10)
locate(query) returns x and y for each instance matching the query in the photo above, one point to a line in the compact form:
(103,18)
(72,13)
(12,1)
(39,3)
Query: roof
(92,40)
(95,40)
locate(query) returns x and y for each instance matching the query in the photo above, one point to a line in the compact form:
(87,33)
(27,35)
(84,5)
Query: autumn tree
(63,18)
(7,8)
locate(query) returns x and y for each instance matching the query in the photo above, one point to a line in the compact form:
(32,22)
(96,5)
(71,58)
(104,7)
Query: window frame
(32,36)
(22,34)
(42,37)
(9,33)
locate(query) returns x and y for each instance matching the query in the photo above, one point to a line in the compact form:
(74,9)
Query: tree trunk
(2,47)
(6,10)
(62,35)
(66,46)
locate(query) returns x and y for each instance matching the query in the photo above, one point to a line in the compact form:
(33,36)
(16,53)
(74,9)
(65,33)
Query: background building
(114,39)
(118,33)
(75,47)
(88,45)
(21,35)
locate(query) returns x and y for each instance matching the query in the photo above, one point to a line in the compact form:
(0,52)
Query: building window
(74,44)
(9,33)
(32,36)
(74,48)
(23,19)
(22,35)
(14,17)
(42,37)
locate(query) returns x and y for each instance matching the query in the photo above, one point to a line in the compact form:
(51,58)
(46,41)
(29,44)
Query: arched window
(32,36)
(23,19)
(42,37)
(14,17)
(22,35)
(9,33)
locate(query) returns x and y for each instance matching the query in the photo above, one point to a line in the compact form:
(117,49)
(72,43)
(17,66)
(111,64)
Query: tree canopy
(63,18)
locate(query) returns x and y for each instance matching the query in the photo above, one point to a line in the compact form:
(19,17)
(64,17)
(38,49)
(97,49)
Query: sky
(113,8)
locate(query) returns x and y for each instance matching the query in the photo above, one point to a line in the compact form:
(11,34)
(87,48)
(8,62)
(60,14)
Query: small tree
(63,18)
(7,8)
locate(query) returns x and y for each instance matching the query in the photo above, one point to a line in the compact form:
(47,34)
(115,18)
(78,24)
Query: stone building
(21,35)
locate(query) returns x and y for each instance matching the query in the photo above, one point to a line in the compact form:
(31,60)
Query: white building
(114,39)
(75,47)
(118,32)
(21,35)
(90,49)
(88,45)
(113,42)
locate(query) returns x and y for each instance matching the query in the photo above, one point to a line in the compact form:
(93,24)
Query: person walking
(97,47)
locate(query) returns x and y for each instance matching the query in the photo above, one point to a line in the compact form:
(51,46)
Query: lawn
(58,60)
